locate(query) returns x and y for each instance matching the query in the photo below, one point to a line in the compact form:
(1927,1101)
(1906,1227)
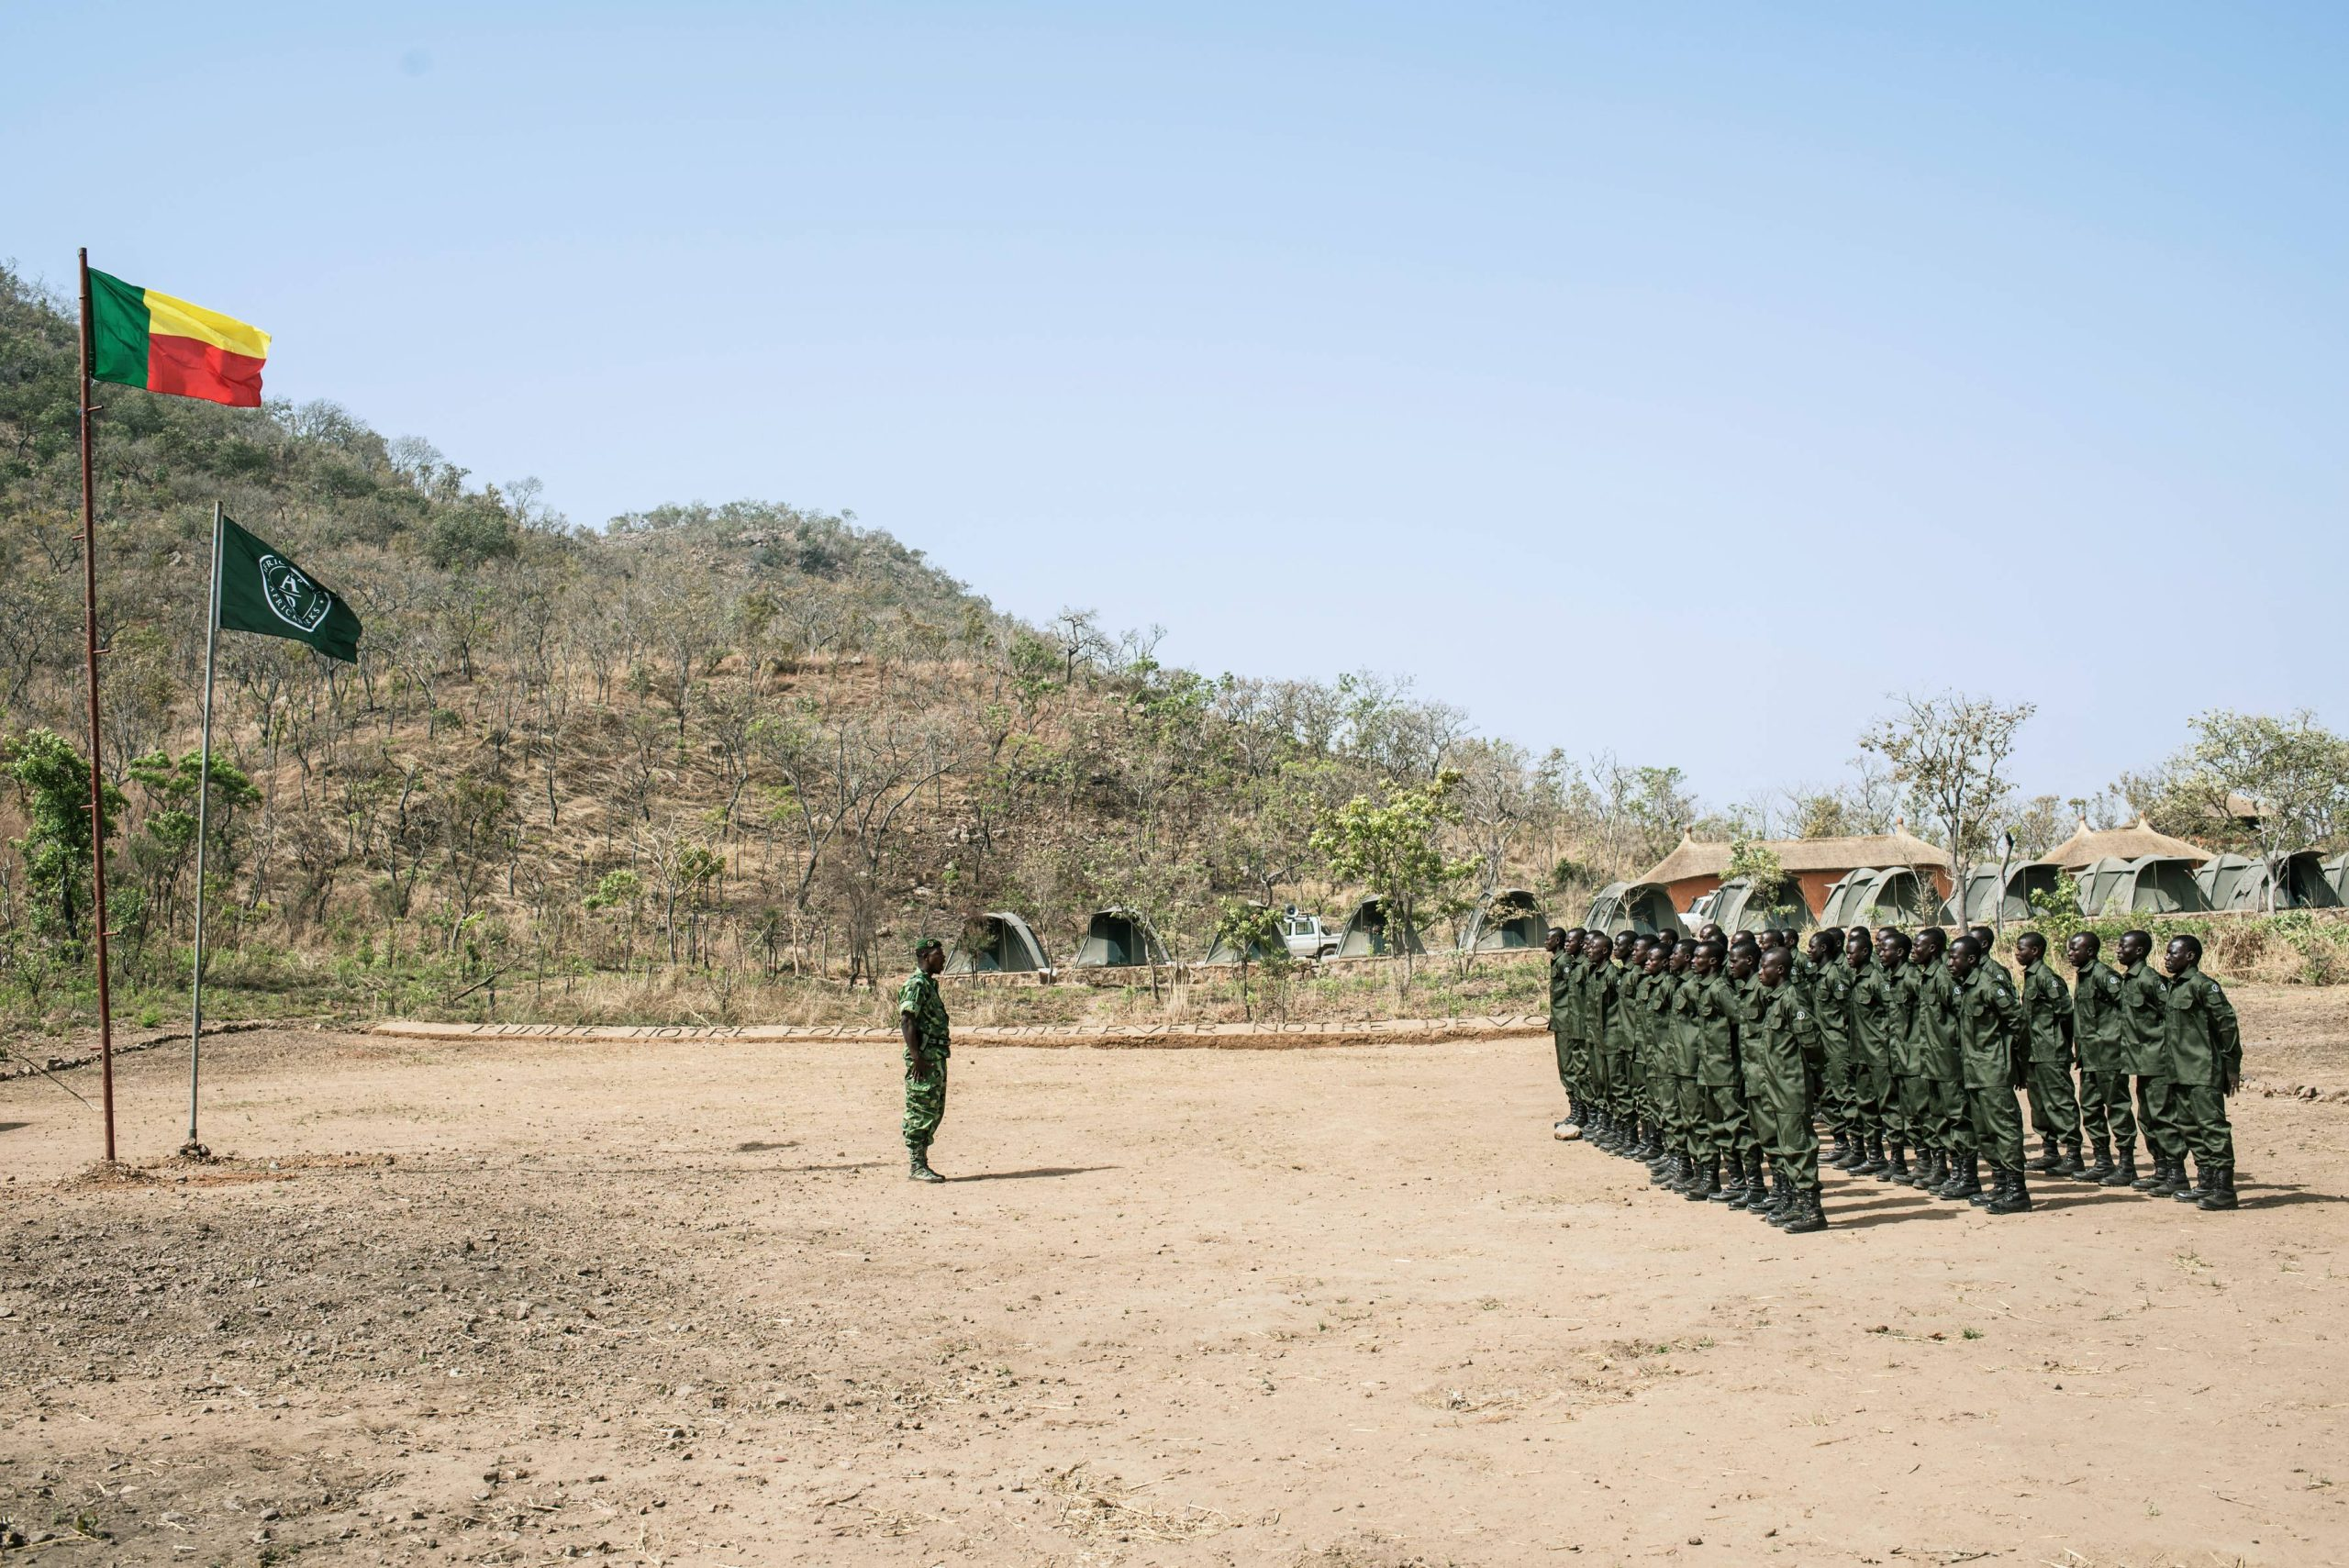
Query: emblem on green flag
(261,590)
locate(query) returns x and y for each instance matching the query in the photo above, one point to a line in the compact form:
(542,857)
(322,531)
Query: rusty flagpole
(97,778)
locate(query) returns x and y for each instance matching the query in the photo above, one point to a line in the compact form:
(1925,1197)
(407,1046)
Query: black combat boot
(1745,1181)
(2049,1160)
(1871,1156)
(2171,1177)
(1766,1191)
(1705,1182)
(2013,1196)
(1896,1165)
(2072,1166)
(2186,1194)
(1808,1215)
(1841,1158)
(2221,1195)
(1965,1177)
(917,1167)
(2158,1175)
(2124,1167)
(1999,1177)
(1664,1170)
(1932,1171)
(2103,1166)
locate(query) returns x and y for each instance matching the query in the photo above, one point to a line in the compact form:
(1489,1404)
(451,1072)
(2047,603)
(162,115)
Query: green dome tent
(1983,900)
(1509,919)
(1366,934)
(1643,908)
(1733,908)
(1896,896)
(2149,885)
(2239,882)
(1118,938)
(998,943)
(2336,872)
(1221,950)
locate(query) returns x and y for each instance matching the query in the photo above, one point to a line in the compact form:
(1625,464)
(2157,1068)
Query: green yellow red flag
(142,337)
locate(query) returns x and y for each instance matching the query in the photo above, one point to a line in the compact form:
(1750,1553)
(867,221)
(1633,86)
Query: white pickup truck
(1306,936)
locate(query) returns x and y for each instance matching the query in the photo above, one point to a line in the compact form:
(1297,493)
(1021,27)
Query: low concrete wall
(1127,1036)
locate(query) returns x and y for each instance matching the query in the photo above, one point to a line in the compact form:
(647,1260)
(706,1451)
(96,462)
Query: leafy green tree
(1251,930)
(53,783)
(2293,771)
(165,844)
(1389,846)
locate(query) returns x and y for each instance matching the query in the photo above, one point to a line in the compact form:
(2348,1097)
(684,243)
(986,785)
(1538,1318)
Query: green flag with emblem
(261,590)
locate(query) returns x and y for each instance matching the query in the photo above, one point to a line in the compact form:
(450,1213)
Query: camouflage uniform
(2047,1020)
(926,1091)
(2099,1031)
(2205,1048)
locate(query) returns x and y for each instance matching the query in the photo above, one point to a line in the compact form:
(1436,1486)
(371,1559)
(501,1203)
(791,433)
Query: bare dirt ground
(676,1304)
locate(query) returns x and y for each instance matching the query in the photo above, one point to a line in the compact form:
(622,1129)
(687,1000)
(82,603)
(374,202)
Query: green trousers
(1688,1116)
(1726,1131)
(1791,1141)
(1947,1124)
(1904,1110)
(1995,1124)
(1565,1061)
(2054,1105)
(1868,1083)
(2157,1116)
(2104,1107)
(2202,1123)
(925,1100)
(1622,1093)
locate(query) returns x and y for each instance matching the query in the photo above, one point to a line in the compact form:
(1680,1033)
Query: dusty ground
(1333,1307)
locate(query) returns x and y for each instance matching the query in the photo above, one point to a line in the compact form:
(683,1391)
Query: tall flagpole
(97,779)
(202,807)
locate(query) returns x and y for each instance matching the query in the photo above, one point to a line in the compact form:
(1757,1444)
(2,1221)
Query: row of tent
(2165,885)
(1899,896)
(1001,942)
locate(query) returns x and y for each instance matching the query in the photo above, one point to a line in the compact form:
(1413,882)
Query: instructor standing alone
(922,1013)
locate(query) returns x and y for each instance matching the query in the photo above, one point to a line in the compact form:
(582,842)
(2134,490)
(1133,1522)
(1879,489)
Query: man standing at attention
(2144,1012)
(1559,1036)
(922,1013)
(2048,1023)
(2097,1031)
(2205,1065)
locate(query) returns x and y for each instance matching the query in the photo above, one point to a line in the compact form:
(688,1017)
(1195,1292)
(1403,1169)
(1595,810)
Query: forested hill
(736,735)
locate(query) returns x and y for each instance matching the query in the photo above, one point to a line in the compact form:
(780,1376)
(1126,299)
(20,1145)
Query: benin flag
(140,338)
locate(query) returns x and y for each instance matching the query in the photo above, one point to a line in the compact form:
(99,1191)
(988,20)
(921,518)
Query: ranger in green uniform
(1744,967)
(1785,1040)
(1831,1004)
(2145,1013)
(1867,1011)
(2096,1033)
(1904,1088)
(1986,1023)
(1574,972)
(1555,943)
(1704,1177)
(1710,1008)
(2206,1064)
(2047,1022)
(1943,1067)
(921,1012)
(1671,1164)
(1988,940)
(1610,1050)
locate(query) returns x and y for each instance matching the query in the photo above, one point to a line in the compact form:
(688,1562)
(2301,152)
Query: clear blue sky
(1496,345)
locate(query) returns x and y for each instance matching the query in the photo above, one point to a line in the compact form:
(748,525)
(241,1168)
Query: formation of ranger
(1717,1060)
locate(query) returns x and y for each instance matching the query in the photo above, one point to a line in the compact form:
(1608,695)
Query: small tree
(54,782)
(1759,865)
(1949,753)
(1250,929)
(1389,847)
(2295,770)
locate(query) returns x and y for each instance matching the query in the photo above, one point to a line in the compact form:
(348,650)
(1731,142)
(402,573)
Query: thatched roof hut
(2085,848)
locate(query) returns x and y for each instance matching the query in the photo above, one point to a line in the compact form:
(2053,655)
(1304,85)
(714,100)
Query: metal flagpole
(97,779)
(203,809)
